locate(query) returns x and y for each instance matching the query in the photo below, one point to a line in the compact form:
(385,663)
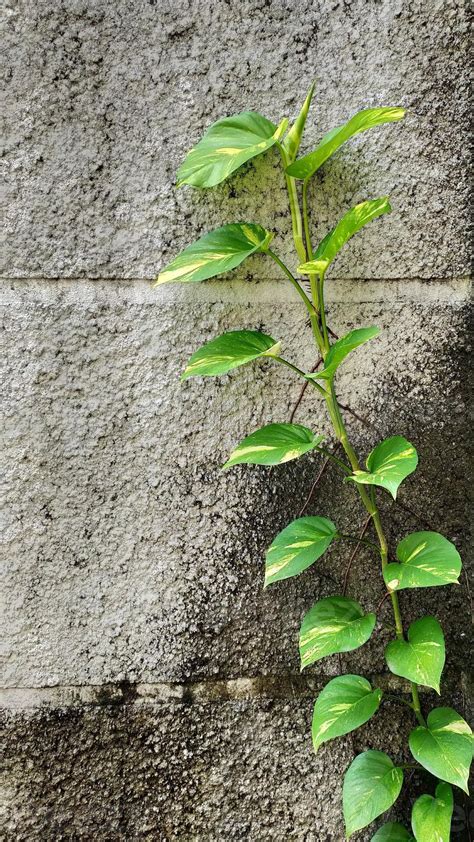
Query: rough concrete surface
(151,686)
(106,98)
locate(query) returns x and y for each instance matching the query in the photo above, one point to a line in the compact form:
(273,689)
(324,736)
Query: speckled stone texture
(151,687)
(106,98)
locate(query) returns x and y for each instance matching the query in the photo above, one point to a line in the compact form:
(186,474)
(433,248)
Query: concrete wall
(152,689)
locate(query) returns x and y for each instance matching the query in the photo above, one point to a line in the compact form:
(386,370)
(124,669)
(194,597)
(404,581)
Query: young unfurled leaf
(431,817)
(334,624)
(274,444)
(392,832)
(229,351)
(444,747)
(227,145)
(217,252)
(344,705)
(305,167)
(371,785)
(340,349)
(292,140)
(388,464)
(427,559)
(350,224)
(297,547)
(421,660)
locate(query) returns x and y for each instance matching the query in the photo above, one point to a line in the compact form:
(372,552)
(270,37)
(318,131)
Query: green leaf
(297,547)
(431,817)
(427,559)
(344,705)
(292,140)
(227,145)
(421,659)
(333,140)
(229,351)
(350,224)
(444,747)
(274,444)
(392,832)
(371,785)
(388,465)
(334,624)
(217,252)
(340,349)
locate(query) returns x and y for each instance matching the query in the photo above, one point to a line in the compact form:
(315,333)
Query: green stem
(371,506)
(309,247)
(292,279)
(296,222)
(416,703)
(334,459)
(307,232)
(358,540)
(297,371)
(313,314)
(398,699)
(411,766)
(322,310)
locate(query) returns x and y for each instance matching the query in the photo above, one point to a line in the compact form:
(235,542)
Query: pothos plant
(442,742)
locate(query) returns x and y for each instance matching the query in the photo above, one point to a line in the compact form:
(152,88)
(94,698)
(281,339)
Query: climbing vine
(442,742)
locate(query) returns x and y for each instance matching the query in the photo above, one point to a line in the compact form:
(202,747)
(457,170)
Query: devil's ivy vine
(442,743)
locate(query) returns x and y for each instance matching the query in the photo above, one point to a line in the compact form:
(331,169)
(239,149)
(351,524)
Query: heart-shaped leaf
(274,444)
(305,167)
(350,224)
(292,140)
(388,465)
(421,660)
(427,559)
(297,547)
(217,252)
(340,349)
(229,351)
(444,747)
(392,832)
(227,145)
(334,624)
(371,785)
(344,705)
(431,817)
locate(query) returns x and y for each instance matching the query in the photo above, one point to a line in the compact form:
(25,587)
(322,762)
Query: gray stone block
(105,99)
(130,555)
(236,770)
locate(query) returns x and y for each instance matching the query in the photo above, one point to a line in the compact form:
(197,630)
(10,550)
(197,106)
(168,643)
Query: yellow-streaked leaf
(229,351)
(297,547)
(334,624)
(431,817)
(343,705)
(227,145)
(427,559)
(292,141)
(274,444)
(371,785)
(388,465)
(350,224)
(366,119)
(215,253)
(420,658)
(444,747)
(341,348)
